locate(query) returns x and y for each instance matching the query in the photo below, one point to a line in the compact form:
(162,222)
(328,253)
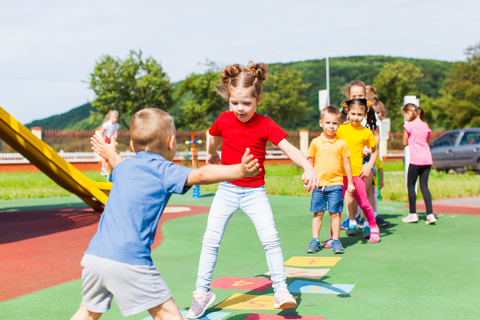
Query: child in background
(107,131)
(117,262)
(357,137)
(330,157)
(415,136)
(237,129)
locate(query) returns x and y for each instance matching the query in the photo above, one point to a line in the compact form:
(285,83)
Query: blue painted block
(319,287)
(206,316)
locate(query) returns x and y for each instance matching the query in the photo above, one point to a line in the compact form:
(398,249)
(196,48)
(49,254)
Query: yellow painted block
(312,262)
(247,302)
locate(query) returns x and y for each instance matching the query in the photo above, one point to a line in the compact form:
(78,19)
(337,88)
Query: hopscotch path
(244,301)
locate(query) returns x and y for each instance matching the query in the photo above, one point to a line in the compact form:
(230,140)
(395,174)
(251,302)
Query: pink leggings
(360,195)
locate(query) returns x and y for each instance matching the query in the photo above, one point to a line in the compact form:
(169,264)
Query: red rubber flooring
(41,249)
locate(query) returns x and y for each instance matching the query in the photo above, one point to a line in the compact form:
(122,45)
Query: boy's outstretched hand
(102,148)
(310,179)
(250,166)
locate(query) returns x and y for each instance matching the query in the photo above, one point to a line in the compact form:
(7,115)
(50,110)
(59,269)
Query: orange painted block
(314,274)
(257,284)
(312,261)
(247,302)
(256,316)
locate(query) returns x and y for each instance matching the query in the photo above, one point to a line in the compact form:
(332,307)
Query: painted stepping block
(257,284)
(247,302)
(312,262)
(256,316)
(318,287)
(314,274)
(206,316)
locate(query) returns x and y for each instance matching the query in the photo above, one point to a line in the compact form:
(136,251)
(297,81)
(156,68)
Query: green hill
(342,71)
(75,119)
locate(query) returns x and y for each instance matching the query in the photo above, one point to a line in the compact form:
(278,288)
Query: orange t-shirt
(328,155)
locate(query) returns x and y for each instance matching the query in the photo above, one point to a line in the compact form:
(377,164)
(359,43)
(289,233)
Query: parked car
(457,149)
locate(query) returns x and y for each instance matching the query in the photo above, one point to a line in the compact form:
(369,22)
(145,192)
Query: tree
(129,86)
(283,99)
(459,100)
(202,104)
(395,81)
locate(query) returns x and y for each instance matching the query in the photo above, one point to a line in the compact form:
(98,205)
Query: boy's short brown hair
(330,109)
(150,130)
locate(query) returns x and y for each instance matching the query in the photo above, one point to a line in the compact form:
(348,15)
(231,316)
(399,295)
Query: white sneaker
(431,219)
(103,172)
(412,217)
(201,301)
(283,298)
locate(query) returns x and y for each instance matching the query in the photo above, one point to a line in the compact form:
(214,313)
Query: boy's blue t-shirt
(141,189)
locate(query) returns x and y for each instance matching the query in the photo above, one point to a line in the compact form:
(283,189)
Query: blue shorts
(323,195)
(365,161)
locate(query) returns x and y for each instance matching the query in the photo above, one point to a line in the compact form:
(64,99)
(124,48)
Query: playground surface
(415,272)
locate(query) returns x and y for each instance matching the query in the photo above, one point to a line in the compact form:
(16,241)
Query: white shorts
(135,288)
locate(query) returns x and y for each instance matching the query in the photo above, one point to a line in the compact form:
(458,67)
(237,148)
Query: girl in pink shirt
(415,136)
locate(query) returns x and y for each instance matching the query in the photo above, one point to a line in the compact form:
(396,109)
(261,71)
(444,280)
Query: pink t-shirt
(418,133)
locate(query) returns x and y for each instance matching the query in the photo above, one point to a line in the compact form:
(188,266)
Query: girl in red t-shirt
(238,129)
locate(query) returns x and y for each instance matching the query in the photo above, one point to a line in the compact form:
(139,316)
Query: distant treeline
(342,71)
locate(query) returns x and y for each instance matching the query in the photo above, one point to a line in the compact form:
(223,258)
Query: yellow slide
(94,194)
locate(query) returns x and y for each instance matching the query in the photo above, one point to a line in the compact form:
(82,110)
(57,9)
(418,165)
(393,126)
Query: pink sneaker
(412,217)
(328,244)
(283,298)
(201,301)
(431,219)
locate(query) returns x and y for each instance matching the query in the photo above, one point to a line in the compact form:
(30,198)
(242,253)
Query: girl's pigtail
(344,113)
(422,113)
(371,120)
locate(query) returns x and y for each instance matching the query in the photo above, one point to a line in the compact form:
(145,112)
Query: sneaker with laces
(201,301)
(283,299)
(337,246)
(366,232)
(103,172)
(314,246)
(345,224)
(411,218)
(431,219)
(381,222)
(352,230)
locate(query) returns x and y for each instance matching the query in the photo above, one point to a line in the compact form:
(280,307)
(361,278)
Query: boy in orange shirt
(329,155)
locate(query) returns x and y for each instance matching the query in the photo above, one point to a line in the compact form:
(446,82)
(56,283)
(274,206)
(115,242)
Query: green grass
(279,180)
(29,185)
(393,166)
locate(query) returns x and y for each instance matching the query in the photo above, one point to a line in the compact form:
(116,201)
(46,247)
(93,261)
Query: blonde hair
(236,76)
(150,130)
(109,114)
(380,107)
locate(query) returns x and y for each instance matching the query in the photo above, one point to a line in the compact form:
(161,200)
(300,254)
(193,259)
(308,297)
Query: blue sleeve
(175,178)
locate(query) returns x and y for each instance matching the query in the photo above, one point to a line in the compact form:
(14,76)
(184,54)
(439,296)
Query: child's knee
(318,214)
(166,311)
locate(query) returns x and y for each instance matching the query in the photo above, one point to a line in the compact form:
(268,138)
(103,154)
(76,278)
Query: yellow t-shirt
(356,138)
(378,166)
(328,155)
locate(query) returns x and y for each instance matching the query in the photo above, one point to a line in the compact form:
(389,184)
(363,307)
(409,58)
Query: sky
(49,48)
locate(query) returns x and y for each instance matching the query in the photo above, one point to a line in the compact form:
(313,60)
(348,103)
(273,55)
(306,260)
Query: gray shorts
(135,288)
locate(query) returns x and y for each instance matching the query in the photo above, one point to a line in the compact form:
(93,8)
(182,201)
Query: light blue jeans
(254,202)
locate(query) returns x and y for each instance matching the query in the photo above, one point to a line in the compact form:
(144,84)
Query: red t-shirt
(238,136)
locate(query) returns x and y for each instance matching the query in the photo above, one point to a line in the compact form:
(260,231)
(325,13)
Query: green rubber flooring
(415,272)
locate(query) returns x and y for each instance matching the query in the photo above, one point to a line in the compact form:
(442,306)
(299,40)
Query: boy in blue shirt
(117,262)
